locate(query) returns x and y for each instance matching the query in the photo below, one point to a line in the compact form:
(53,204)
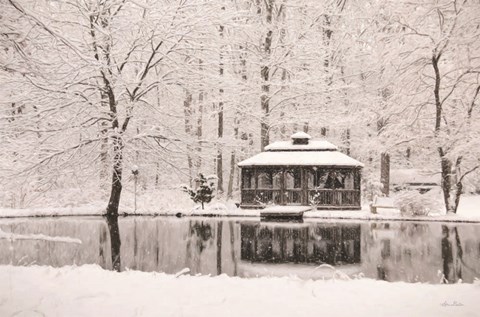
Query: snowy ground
(170,204)
(91,291)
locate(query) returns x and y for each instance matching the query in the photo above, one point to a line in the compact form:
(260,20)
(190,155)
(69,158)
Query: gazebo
(301,172)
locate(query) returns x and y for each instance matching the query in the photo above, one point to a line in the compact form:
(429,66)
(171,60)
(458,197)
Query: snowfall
(92,291)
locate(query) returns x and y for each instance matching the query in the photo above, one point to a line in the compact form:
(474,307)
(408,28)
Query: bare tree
(101,69)
(446,63)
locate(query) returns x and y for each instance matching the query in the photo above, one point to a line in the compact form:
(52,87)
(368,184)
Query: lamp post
(135,177)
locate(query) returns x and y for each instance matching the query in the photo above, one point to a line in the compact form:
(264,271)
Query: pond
(391,251)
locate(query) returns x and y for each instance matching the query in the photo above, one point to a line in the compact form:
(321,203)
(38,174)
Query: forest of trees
(177,87)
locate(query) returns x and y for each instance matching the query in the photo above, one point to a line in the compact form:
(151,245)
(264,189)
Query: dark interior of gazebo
(325,187)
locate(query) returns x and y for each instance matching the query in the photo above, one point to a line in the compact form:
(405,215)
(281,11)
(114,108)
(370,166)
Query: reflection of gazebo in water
(268,244)
(301,172)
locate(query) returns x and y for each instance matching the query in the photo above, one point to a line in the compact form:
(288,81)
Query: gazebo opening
(301,172)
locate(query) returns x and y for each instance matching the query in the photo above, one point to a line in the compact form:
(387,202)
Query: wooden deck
(284,212)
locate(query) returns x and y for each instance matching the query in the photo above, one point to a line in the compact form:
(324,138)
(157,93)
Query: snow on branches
(204,193)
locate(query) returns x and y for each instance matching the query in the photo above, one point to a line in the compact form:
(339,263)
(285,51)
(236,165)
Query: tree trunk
(114,201)
(236,126)
(458,185)
(187,109)
(199,130)
(323,131)
(104,158)
(233,165)
(101,49)
(104,102)
(231,177)
(347,141)
(385,173)
(220,123)
(157,174)
(264,126)
(283,128)
(220,171)
(305,127)
(445,163)
(446,170)
(219,160)
(265,76)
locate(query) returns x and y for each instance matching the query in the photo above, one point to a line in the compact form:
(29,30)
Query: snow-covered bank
(86,210)
(468,211)
(91,291)
(13,237)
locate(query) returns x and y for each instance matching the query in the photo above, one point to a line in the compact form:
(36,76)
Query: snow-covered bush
(371,188)
(204,193)
(315,200)
(412,203)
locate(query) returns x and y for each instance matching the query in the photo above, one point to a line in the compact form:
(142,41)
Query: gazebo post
(255,176)
(282,186)
(304,171)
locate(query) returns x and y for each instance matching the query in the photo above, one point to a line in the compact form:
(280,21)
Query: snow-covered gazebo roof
(307,153)
(313,145)
(300,135)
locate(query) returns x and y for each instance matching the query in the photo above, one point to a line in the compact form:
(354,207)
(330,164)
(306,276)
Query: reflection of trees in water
(413,230)
(232,248)
(334,245)
(55,253)
(102,253)
(115,242)
(413,241)
(416,251)
(395,249)
(219,247)
(452,254)
(200,238)
(157,246)
(201,233)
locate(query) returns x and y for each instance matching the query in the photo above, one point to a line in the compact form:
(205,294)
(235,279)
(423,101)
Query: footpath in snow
(91,291)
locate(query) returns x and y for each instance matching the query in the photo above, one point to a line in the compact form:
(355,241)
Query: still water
(391,251)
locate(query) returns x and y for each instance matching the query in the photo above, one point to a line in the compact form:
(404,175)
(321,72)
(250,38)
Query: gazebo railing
(261,196)
(248,197)
(335,198)
(293,196)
